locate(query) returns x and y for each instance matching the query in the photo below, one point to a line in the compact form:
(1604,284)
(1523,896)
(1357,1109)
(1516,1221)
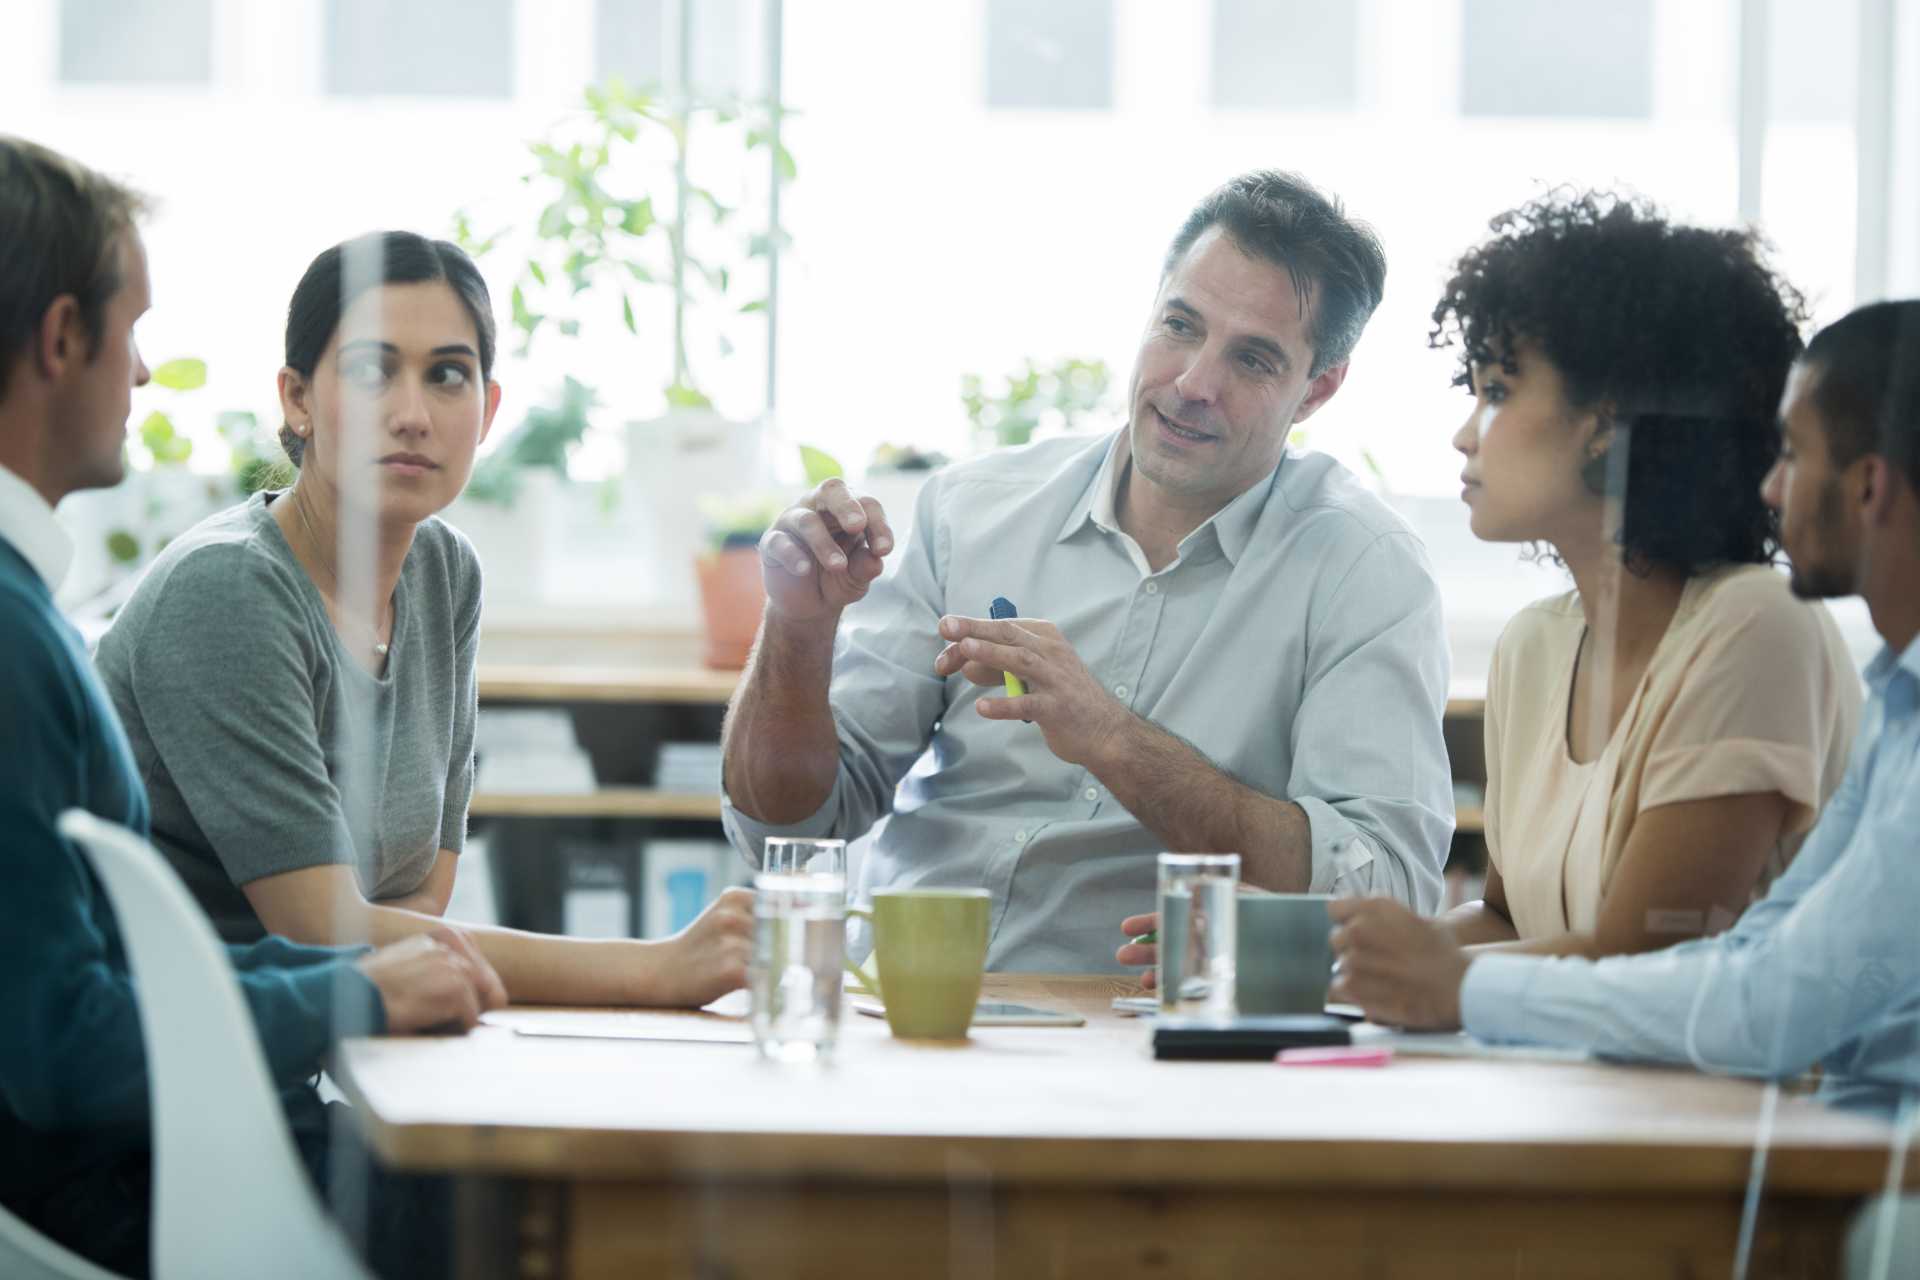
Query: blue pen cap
(1002,608)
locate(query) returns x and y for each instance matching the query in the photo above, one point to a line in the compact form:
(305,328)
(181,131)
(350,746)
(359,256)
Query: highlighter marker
(1003,608)
(1149,937)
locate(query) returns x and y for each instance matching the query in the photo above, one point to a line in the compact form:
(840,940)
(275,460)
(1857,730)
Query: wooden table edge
(1333,1164)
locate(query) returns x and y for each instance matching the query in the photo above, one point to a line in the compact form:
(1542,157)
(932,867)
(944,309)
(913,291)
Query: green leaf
(174,452)
(757,305)
(682,396)
(523,319)
(123,547)
(783,161)
(639,217)
(538,272)
(156,432)
(626,314)
(820,465)
(185,374)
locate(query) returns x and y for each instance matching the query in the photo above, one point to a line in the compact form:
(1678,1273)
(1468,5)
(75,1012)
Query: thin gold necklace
(373,630)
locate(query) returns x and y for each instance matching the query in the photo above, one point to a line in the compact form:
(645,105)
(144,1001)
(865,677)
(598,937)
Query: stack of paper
(530,749)
(690,767)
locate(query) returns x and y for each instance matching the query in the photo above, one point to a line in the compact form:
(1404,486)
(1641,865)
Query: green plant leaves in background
(682,396)
(820,465)
(1035,394)
(167,446)
(185,374)
(123,547)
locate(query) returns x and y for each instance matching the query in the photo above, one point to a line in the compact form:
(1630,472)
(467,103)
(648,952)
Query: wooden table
(1057,1152)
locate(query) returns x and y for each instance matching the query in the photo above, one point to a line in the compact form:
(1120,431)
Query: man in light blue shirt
(1826,968)
(1226,646)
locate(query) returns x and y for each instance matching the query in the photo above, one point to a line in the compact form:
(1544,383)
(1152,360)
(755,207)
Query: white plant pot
(517,544)
(672,464)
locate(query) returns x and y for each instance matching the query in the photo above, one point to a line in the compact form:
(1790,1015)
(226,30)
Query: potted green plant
(618,242)
(1035,398)
(513,506)
(732,592)
(169,495)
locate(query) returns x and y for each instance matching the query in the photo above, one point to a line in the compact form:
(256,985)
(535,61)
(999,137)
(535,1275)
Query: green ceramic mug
(929,951)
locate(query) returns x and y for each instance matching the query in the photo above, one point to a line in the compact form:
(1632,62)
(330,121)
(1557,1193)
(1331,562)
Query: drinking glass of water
(799,944)
(795,855)
(1198,913)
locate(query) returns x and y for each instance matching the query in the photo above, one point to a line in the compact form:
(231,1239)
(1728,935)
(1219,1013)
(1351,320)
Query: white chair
(230,1195)
(25,1254)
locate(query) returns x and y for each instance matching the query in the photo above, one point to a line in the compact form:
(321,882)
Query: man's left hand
(1075,713)
(1404,970)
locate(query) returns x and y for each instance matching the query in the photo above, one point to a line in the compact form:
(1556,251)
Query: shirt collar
(1887,664)
(27,522)
(1232,525)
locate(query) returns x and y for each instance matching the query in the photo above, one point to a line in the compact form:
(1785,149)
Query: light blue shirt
(1295,641)
(1825,968)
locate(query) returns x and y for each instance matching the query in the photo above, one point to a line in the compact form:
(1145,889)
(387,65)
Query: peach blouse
(1749,691)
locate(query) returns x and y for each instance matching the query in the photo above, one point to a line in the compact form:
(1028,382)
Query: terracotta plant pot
(732,596)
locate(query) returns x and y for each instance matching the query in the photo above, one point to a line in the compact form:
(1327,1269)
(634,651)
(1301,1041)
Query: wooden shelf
(530,682)
(607,802)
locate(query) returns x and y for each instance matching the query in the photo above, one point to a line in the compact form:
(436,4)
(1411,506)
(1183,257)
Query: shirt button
(1153,588)
(1119,691)
(1020,837)
(1093,793)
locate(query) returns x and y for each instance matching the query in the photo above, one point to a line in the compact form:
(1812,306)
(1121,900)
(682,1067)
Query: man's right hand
(823,553)
(436,981)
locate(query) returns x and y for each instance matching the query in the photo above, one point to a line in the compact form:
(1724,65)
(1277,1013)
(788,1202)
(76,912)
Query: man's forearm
(1195,807)
(780,747)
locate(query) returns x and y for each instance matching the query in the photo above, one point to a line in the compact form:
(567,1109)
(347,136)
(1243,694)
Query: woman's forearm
(1479,924)
(1556,944)
(536,968)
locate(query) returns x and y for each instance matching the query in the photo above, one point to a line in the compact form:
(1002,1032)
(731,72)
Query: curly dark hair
(1681,335)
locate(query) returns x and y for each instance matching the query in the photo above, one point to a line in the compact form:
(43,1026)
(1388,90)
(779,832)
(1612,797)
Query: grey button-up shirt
(1296,641)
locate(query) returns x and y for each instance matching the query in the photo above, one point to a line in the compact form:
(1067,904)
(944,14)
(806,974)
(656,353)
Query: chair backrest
(231,1196)
(25,1254)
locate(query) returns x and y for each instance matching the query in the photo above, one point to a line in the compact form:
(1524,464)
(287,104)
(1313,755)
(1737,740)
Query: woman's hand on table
(434,981)
(1140,953)
(1403,969)
(705,960)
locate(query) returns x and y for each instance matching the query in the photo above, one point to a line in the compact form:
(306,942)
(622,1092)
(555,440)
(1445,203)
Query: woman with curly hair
(1659,738)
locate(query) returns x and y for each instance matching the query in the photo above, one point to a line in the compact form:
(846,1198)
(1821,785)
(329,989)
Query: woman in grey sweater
(306,731)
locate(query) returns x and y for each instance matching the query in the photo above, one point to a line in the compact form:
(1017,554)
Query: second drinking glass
(1198,914)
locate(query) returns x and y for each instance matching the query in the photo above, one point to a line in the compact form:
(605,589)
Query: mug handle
(868,980)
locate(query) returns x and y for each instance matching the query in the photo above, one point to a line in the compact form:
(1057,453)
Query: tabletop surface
(1086,1106)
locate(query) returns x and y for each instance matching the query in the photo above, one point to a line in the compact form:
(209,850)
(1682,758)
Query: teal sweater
(73,1081)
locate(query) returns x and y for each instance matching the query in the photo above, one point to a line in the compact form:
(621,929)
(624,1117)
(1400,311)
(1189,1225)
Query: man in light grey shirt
(1225,645)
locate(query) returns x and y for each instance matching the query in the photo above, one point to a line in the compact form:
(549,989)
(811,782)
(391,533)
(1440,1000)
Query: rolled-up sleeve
(885,698)
(1829,953)
(1370,764)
